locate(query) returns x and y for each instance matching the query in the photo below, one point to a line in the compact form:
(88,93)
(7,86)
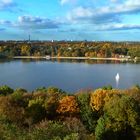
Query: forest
(52,114)
(69,49)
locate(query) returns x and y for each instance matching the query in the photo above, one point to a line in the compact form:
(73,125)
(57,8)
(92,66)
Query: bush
(11,110)
(51,105)
(9,131)
(73,136)
(74,125)
(42,89)
(18,94)
(49,131)
(52,90)
(35,112)
(109,87)
(20,90)
(5,90)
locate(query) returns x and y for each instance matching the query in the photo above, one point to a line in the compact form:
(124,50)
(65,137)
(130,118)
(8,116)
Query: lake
(69,75)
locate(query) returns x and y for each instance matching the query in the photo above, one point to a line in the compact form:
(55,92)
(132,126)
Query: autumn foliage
(97,99)
(100,96)
(51,114)
(68,106)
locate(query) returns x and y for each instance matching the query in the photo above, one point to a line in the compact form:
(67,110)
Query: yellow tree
(97,99)
(25,50)
(100,96)
(68,106)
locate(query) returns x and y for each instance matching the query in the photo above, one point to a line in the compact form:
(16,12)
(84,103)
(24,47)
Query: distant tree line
(52,114)
(70,49)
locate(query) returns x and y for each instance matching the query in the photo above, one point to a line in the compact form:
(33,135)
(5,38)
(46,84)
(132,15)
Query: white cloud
(119,27)
(31,23)
(80,12)
(35,22)
(7,5)
(104,14)
(96,16)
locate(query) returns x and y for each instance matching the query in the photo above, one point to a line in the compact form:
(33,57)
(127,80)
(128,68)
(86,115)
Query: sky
(95,20)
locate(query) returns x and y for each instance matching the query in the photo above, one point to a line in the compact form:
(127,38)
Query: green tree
(123,108)
(88,116)
(121,116)
(5,90)
(35,111)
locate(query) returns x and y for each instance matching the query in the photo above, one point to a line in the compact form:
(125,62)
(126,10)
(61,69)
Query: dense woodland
(52,114)
(69,49)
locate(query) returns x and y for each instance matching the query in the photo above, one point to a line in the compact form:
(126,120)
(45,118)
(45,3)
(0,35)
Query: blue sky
(112,20)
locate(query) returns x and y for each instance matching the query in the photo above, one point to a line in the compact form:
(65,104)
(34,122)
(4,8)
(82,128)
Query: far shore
(76,58)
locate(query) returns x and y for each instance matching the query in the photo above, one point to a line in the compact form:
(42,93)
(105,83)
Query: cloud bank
(31,23)
(105,14)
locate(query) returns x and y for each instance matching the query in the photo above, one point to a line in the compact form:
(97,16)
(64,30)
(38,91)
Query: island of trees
(70,49)
(52,114)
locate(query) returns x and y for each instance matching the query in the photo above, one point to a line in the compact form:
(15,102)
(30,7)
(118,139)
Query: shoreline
(72,58)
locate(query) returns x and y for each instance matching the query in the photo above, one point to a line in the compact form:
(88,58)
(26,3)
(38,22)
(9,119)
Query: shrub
(11,110)
(18,94)
(52,90)
(51,105)
(42,89)
(5,90)
(109,87)
(74,125)
(10,131)
(73,136)
(50,131)
(35,111)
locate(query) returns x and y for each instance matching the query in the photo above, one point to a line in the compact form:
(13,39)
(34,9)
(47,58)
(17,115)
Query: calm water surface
(70,76)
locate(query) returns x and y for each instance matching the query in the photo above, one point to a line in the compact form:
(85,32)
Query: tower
(29,38)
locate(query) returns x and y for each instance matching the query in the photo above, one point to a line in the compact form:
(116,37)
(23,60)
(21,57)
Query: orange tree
(68,106)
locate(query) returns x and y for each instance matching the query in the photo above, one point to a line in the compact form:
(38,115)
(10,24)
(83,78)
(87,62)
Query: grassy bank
(52,114)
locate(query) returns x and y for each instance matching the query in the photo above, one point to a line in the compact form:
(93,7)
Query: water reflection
(87,61)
